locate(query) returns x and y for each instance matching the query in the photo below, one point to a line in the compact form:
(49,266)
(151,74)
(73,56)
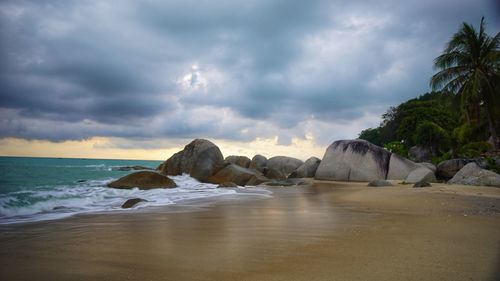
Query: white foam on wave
(93,196)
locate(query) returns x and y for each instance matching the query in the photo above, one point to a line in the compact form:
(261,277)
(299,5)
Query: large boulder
(472,174)
(354,160)
(400,167)
(280,167)
(306,170)
(238,175)
(420,154)
(241,161)
(143,180)
(448,168)
(259,163)
(421,174)
(200,159)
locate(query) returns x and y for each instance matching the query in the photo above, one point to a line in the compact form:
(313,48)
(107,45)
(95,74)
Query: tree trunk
(493,130)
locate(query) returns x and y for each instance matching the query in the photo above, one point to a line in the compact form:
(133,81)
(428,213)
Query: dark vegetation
(461,117)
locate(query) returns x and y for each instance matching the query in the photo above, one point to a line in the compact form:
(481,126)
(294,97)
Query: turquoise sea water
(33,189)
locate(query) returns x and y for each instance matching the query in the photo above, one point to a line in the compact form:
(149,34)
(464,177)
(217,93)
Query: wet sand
(328,231)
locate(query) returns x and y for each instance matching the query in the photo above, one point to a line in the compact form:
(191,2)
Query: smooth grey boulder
(420,154)
(429,166)
(238,175)
(379,183)
(241,161)
(448,168)
(259,163)
(143,180)
(354,160)
(400,167)
(306,170)
(132,202)
(280,167)
(472,174)
(421,174)
(200,159)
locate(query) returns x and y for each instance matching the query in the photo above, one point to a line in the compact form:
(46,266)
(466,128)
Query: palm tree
(469,67)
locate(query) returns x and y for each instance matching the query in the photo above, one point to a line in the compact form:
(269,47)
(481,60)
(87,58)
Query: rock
(421,174)
(143,180)
(132,202)
(472,174)
(379,183)
(130,168)
(242,161)
(280,167)
(238,175)
(400,167)
(306,170)
(420,154)
(354,160)
(448,168)
(227,185)
(421,184)
(287,182)
(259,163)
(200,159)
(257,179)
(429,166)
(80,181)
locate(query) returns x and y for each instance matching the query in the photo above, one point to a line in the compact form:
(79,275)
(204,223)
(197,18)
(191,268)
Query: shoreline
(326,231)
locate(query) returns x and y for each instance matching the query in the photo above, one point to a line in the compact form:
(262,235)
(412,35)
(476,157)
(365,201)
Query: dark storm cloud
(73,70)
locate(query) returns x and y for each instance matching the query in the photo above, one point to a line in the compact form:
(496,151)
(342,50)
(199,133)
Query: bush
(474,149)
(431,135)
(397,147)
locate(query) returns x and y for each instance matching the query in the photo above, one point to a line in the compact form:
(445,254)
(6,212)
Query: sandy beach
(327,231)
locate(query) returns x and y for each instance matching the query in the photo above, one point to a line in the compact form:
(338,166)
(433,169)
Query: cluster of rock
(344,160)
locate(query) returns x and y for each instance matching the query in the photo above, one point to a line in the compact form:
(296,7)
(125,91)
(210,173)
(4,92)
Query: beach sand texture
(327,231)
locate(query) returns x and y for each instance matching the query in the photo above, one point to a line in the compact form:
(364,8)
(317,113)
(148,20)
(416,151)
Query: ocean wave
(47,203)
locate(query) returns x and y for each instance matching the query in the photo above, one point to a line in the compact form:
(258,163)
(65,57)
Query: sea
(38,189)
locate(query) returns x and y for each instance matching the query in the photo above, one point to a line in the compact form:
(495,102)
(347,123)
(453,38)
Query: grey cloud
(126,66)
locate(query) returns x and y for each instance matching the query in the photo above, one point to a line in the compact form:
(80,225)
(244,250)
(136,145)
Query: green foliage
(474,149)
(372,135)
(470,68)
(438,159)
(493,164)
(429,134)
(397,147)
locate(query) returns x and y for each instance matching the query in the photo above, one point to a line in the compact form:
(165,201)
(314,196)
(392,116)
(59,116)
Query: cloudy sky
(140,79)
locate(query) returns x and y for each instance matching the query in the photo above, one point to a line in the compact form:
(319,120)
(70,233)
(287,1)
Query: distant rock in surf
(130,168)
(238,175)
(143,180)
(200,159)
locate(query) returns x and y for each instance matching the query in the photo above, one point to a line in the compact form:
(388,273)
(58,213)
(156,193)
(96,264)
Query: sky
(141,79)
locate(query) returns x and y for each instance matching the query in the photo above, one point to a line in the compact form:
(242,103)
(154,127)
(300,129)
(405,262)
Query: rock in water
(448,168)
(132,202)
(259,163)
(280,167)
(354,160)
(238,175)
(472,174)
(200,159)
(143,180)
(379,183)
(306,170)
(227,185)
(241,161)
(421,174)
